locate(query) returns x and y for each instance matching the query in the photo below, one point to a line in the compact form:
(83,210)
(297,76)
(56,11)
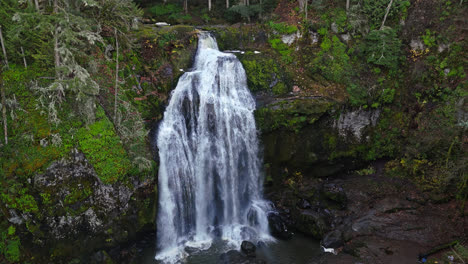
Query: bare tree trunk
(3,48)
(56,53)
(2,90)
(386,14)
(305,9)
(36,2)
(186,6)
(56,45)
(24,58)
(116,75)
(347,5)
(5,125)
(227,4)
(209,5)
(260,15)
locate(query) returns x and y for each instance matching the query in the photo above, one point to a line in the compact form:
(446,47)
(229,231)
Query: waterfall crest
(210,185)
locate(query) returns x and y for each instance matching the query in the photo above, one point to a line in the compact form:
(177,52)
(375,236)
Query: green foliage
(12,251)
(375,10)
(46,198)
(429,39)
(11,230)
(280,89)
(104,149)
(206,18)
(10,244)
(27,203)
(332,61)
(78,194)
(165,10)
(291,115)
(366,171)
(357,94)
(282,48)
(387,138)
(383,48)
(283,28)
(338,17)
(246,12)
(261,73)
(264,74)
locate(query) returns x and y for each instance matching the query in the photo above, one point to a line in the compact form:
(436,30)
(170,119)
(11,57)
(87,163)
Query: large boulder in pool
(278,226)
(248,248)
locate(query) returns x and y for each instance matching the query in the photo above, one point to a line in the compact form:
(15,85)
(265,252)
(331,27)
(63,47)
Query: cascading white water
(210,183)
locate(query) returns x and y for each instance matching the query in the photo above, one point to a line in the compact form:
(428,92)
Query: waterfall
(210,185)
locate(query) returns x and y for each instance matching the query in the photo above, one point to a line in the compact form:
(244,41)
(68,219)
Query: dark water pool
(298,250)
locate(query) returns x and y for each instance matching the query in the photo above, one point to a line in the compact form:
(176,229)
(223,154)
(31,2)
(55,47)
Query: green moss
(103,149)
(46,198)
(26,203)
(12,251)
(332,61)
(283,28)
(264,74)
(77,194)
(291,115)
(282,48)
(280,89)
(11,230)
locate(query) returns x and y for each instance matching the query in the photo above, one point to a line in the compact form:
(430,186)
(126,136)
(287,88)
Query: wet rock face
(278,226)
(373,217)
(355,122)
(78,213)
(315,223)
(333,239)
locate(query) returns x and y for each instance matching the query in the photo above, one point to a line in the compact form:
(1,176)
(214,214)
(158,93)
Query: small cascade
(210,185)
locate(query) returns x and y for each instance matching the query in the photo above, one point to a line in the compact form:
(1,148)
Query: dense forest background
(95,75)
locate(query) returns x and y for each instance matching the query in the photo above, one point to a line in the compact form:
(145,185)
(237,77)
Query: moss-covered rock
(77,213)
(313,223)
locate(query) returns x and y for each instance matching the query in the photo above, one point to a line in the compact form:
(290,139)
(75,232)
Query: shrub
(332,61)
(374,10)
(357,94)
(280,89)
(246,12)
(282,28)
(12,251)
(282,48)
(264,74)
(383,48)
(165,10)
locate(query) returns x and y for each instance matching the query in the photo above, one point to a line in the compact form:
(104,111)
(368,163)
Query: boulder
(304,204)
(335,193)
(315,223)
(278,226)
(80,214)
(333,239)
(248,248)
